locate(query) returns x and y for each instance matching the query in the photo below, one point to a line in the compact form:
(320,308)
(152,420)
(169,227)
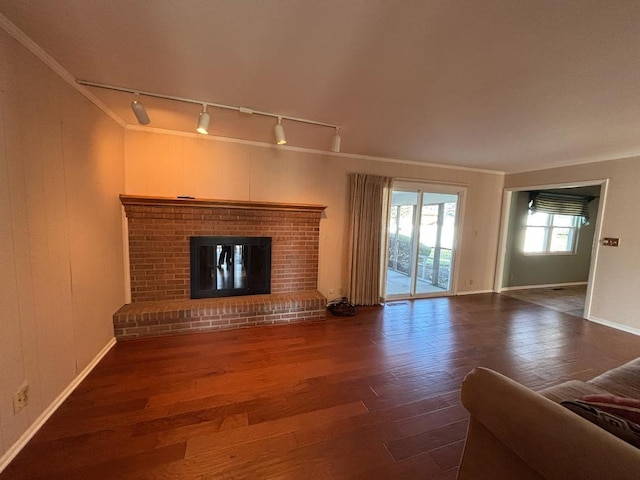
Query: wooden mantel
(208,202)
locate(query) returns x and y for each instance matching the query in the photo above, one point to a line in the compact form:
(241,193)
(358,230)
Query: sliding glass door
(422,228)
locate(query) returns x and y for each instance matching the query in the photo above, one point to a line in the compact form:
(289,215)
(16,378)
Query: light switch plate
(610,242)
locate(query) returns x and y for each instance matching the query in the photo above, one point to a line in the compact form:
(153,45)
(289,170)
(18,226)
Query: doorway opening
(547,258)
(421,240)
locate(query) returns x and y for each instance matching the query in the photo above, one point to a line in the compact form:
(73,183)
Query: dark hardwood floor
(374,396)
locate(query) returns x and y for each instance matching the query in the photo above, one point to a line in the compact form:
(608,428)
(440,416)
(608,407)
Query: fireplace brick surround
(158,233)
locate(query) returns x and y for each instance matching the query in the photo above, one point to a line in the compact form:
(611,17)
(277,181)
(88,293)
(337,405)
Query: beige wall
(159,164)
(617,280)
(61,170)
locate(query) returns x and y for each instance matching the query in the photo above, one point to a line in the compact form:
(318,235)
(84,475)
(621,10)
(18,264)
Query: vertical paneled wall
(61,170)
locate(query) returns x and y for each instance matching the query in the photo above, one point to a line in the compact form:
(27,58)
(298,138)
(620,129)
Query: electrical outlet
(21,398)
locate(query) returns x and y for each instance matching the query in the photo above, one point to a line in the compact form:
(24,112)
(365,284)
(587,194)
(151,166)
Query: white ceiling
(508,85)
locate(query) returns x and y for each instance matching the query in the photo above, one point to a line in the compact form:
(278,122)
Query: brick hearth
(170,317)
(158,232)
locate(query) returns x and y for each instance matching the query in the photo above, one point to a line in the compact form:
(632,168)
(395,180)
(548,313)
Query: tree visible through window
(548,233)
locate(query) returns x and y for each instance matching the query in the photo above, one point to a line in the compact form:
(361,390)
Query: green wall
(525,270)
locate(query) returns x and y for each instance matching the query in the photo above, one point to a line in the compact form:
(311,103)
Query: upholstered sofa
(518,434)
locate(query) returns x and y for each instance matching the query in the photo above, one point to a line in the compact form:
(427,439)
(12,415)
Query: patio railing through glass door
(420,243)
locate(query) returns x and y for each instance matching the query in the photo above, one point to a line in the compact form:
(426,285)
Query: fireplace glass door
(229,266)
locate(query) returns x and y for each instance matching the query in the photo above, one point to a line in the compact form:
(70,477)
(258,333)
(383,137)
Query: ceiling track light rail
(204,117)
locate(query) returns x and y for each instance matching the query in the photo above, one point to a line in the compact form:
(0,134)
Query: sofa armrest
(548,438)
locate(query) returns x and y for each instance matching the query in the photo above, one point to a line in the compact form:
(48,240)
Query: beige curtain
(368,211)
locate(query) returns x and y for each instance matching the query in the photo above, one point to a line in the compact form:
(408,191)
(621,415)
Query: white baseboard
(10,454)
(617,326)
(548,285)
(474,292)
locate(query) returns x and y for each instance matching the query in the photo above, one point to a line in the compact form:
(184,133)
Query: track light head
(139,111)
(336,141)
(203,121)
(279,131)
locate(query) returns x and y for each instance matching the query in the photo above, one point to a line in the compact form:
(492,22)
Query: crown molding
(48,60)
(313,151)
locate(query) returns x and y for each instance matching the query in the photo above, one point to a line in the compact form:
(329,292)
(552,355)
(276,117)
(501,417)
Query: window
(547,233)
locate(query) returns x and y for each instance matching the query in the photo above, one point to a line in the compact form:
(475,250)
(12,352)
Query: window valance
(560,204)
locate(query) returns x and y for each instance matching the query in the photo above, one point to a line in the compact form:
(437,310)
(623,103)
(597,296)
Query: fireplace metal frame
(213,241)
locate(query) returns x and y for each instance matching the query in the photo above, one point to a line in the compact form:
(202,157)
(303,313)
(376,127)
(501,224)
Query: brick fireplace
(159,232)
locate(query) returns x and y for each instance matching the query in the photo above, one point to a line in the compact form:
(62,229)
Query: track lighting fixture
(139,111)
(203,121)
(204,118)
(279,131)
(336,141)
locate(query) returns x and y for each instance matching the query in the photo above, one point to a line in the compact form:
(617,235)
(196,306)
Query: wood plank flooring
(374,396)
(568,299)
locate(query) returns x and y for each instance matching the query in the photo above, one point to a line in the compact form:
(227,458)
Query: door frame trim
(459,189)
(597,234)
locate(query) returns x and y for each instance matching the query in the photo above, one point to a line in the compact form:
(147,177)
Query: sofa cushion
(570,390)
(618,426)
(627,408)
(623,381)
